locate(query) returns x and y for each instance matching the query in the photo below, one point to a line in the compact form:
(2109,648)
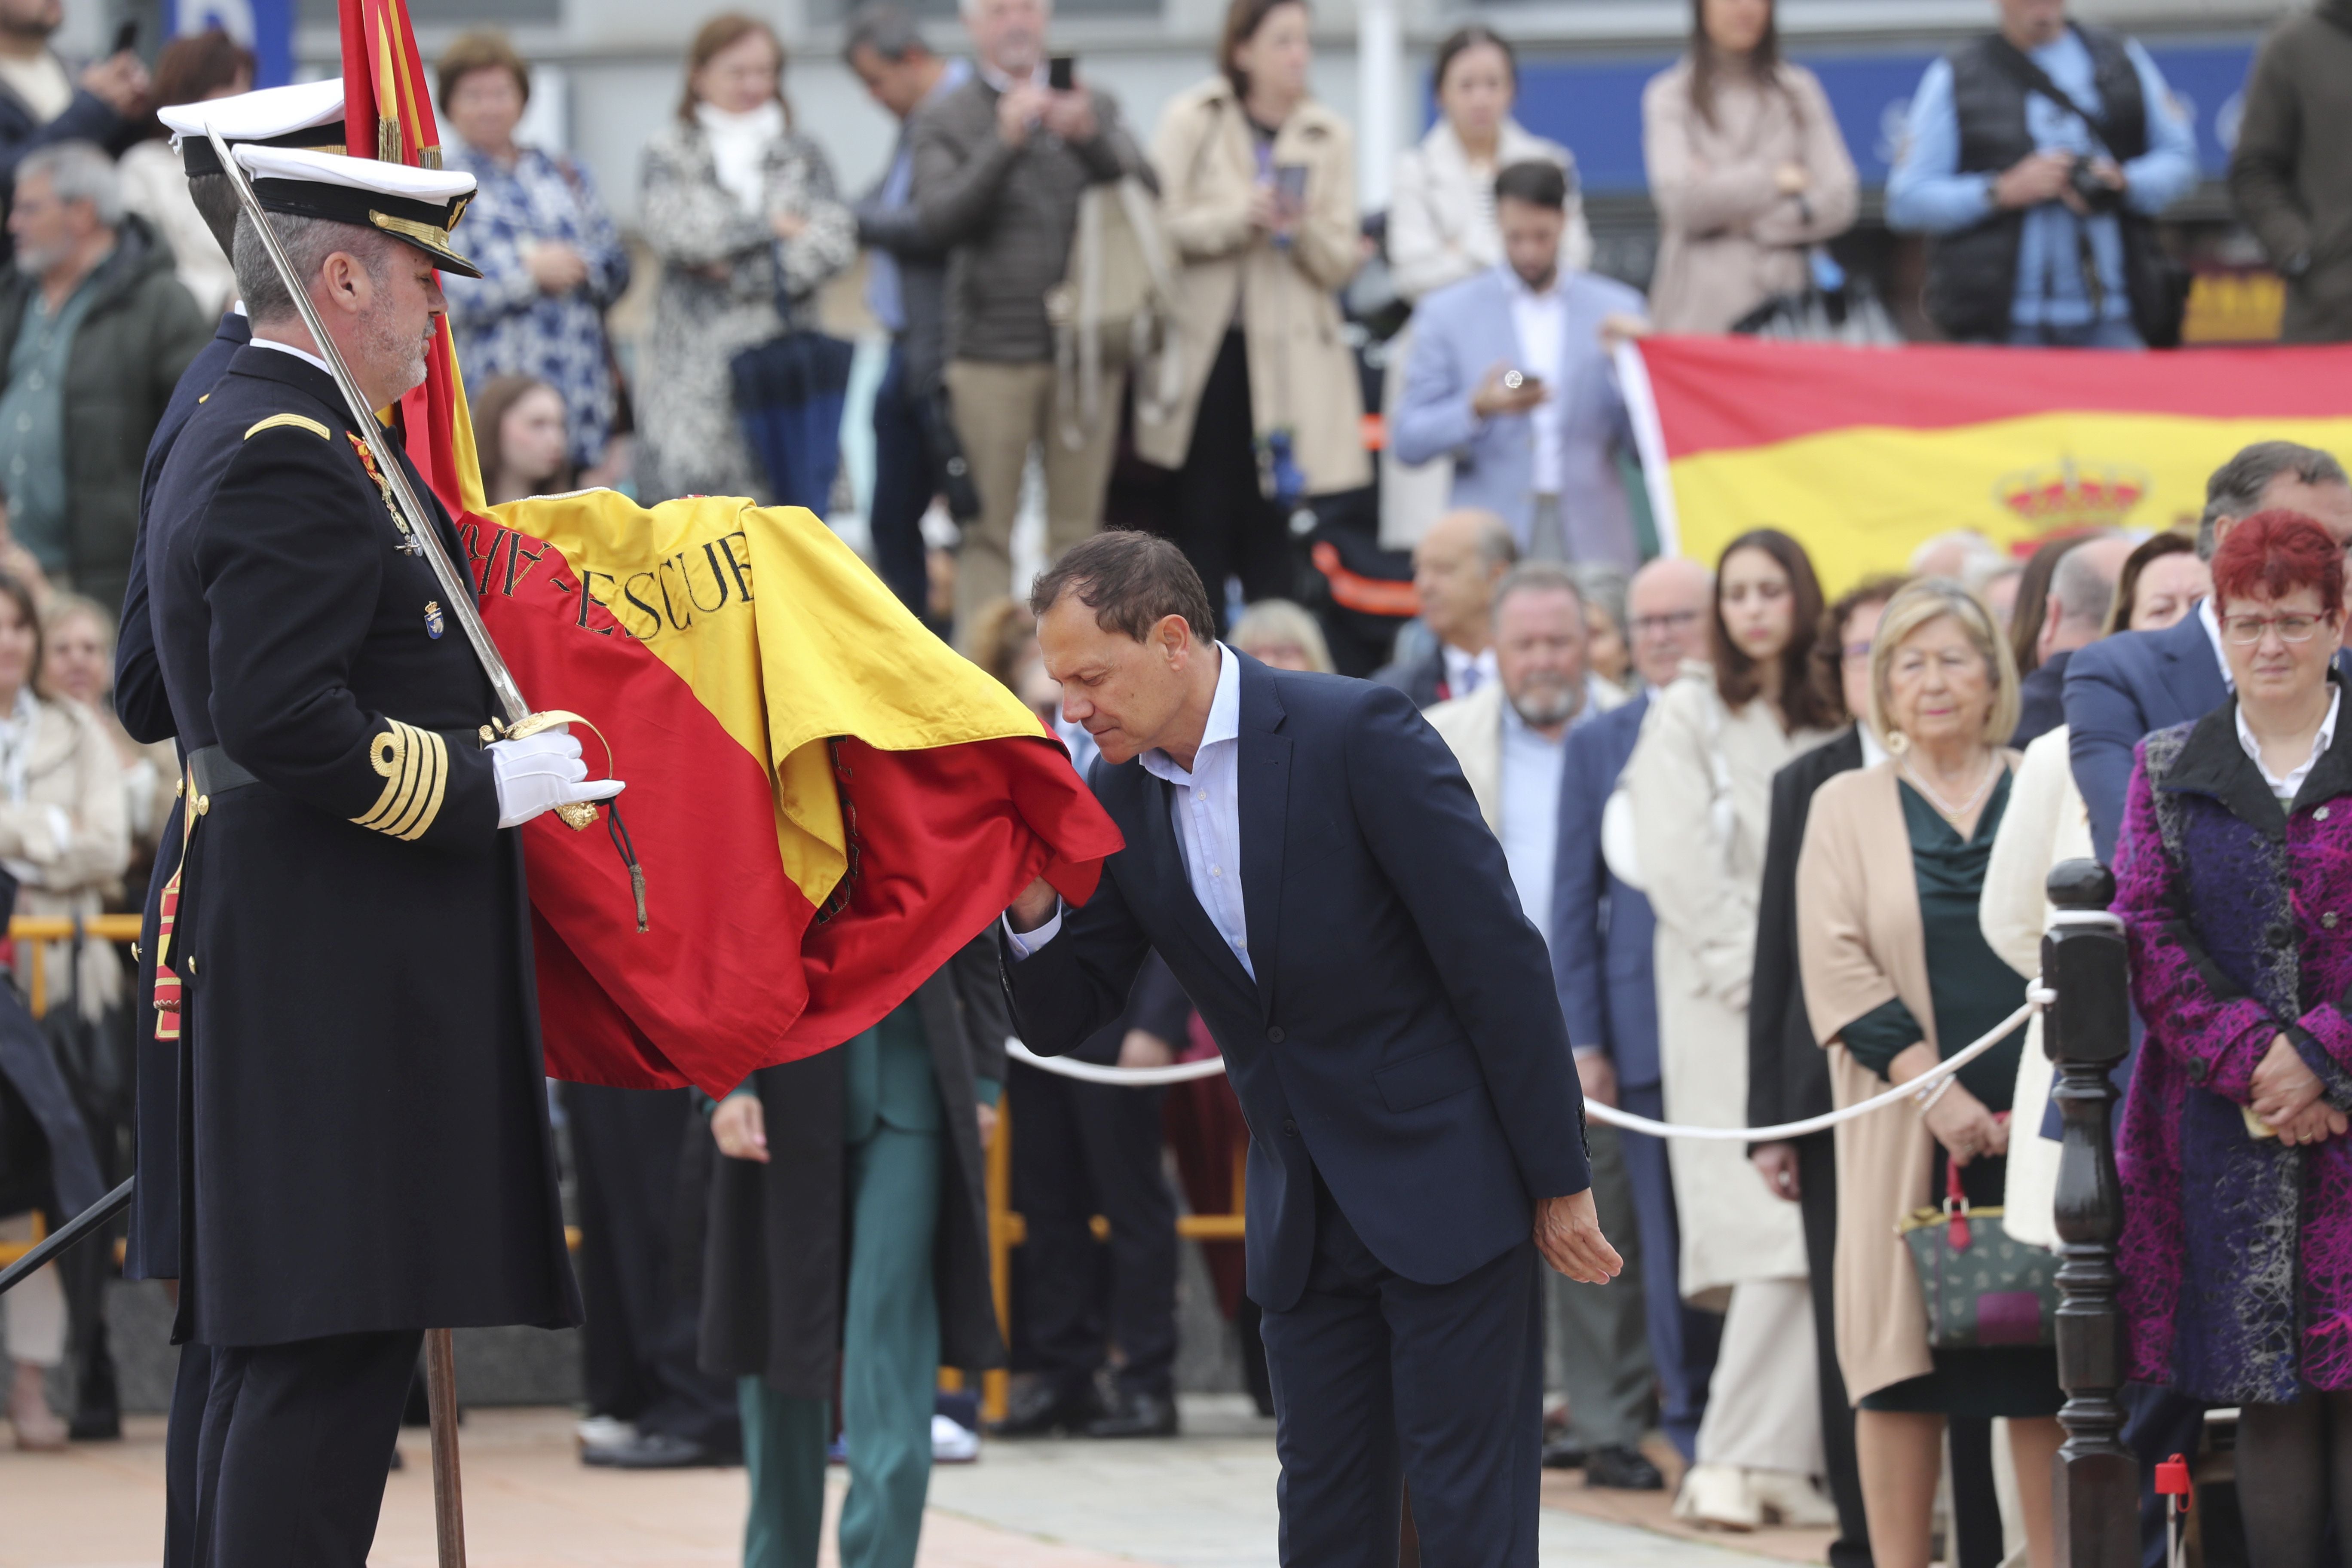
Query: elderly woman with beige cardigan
(1899,975)
(1258,199)
(1746,168)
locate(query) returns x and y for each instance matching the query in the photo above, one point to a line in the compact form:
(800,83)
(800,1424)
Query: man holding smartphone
(1000,165)
(41,104)
(1510,376)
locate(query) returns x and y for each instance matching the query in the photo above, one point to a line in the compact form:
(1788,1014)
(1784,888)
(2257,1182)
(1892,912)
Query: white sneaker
(1718,1497)
(605,1432)
(950,1444)
(1791,1499)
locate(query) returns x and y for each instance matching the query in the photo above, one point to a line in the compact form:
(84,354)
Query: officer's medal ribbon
(409,544)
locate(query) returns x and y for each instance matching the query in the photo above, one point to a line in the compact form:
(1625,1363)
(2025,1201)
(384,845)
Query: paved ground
(1204,1501)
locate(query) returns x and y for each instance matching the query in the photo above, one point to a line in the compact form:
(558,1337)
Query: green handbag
(1981,1289)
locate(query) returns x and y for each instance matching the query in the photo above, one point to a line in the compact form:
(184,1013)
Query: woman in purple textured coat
(2234,876)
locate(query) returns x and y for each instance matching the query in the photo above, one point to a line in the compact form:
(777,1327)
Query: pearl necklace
(1952,814)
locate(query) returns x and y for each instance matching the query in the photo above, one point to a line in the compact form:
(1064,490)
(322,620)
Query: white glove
(540,772)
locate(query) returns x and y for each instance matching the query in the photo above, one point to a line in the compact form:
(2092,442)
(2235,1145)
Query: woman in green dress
(1898,976)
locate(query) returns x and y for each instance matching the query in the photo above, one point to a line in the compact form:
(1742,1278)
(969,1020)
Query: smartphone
(1061,73)
(1290,187)
(126,38)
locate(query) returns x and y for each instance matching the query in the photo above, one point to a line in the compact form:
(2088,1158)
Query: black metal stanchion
(2087,1031)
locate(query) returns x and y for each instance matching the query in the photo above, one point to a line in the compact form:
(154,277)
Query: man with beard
(1511,738)
(360,1064)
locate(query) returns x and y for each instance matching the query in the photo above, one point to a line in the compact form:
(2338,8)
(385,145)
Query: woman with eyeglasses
(2234,877)
(1898,977)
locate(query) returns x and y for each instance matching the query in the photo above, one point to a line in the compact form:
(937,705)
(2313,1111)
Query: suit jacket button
(2328,919)
(1275,1035)
(1289,1127)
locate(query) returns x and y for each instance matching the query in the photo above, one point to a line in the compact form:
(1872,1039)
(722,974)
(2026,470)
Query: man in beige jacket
(1510,735)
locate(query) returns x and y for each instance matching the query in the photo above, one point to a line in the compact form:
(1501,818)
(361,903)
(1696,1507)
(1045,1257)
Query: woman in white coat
(1700,784)
(1441,230)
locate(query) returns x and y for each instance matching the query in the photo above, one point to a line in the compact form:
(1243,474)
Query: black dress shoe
(655,1451)
(1136,1415)
(1623,1469)
(1042,1407)
(1564,1454)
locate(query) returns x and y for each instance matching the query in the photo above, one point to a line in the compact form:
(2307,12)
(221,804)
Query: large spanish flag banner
(1864,453)
(824,801)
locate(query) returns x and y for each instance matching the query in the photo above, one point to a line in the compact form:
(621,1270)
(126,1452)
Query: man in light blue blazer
(1509,377)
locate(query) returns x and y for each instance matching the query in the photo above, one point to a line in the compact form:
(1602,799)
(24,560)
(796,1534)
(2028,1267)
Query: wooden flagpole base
(449,1494)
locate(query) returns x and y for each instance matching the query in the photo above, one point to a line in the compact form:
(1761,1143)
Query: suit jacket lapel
(1262,786)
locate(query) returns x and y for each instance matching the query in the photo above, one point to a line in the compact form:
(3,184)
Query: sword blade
(454,581)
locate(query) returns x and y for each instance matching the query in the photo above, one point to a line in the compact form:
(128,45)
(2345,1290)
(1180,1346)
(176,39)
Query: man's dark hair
(1131,581)
(2236,488)
(1537,182)
(890,32)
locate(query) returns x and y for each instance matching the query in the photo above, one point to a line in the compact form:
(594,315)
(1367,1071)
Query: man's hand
(1598,1074)
(1142,1048)
(1617,328)
(1776,1164)
(2283,1086)
(1035,906)
(555,267)
(1567,1234)
(1021,107)
(118,81)
(1071,115)
(1493,397)
(2103,170)
(740,1126)
(2036,178)
(987,1123)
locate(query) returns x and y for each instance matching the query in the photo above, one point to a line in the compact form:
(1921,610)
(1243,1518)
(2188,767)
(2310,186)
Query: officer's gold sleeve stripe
(293,421)
(414,766)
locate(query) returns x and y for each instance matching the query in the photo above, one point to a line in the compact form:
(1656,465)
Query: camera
(2096,196)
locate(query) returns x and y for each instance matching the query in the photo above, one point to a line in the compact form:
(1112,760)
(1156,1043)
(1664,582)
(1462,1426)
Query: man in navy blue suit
(1602,946)
(2118,691)
(1303,852)
(2122,689)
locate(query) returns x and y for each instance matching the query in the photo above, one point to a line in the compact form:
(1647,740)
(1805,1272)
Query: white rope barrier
(2037,997)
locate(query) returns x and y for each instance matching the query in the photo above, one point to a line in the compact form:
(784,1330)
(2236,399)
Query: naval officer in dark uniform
(308,114)
(367,1151)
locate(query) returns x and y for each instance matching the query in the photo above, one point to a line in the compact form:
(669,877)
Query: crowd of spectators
(1647,742)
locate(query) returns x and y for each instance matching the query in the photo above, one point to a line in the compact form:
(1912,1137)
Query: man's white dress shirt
(1541,321)
(1206,811)
(1532,771)
(1466,672)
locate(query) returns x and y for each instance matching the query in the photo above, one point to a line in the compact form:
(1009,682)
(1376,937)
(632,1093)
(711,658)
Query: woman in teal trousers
(848,1237)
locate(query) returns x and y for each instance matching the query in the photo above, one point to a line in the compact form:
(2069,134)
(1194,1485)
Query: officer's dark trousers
(903,488)
(296,1439)
(191,1386)
(638,1342)
(1081,1149)
(1377,1379)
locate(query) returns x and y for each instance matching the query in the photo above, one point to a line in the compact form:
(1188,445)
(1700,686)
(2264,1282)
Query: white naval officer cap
(307,115)
(418,205)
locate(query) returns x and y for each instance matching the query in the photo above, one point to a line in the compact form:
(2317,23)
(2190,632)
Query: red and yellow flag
(1864,454)
(825,801)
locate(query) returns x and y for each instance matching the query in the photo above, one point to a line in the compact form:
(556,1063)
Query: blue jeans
(2081,335)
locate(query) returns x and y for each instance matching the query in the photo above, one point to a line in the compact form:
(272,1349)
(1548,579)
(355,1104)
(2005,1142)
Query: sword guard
(579,814)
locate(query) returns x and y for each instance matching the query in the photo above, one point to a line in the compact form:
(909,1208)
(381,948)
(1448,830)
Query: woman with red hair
(2234,879)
